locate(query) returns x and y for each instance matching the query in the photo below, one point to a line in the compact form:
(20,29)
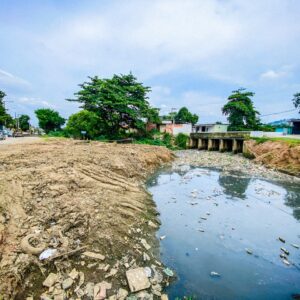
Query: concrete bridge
(232,141)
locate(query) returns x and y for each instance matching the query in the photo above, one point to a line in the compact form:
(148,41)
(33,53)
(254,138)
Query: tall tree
(24,122)
(120,102)
(49,120)
(185,116)
(5,118)
(240,111)
(296,101)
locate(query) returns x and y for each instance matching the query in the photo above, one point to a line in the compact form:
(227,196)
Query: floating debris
(214,274)
(295,246)
(163,237)
(286,262)
(203,218)
(249,251)
(285,251)
(281,239)
(168,272)
(201,230)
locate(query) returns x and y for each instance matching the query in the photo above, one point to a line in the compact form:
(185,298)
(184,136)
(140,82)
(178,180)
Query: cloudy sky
(192,53)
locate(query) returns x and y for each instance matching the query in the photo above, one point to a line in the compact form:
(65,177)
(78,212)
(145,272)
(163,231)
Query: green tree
(49,120)
(4,116)
(120,102)
(240,111)
(84,120)
(185,116)
(296,101)
(24,122)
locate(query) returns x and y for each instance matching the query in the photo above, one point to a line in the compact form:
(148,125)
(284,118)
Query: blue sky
(192,53)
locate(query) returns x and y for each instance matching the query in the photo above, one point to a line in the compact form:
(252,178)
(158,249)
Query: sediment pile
(75,217)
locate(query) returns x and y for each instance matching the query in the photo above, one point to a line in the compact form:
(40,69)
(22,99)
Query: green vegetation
(120,103)
(83,124)
(289,141)
(181,140)
(5,118)
(49,120)
(296,101)
(240,111)
(24,122)
(185,116)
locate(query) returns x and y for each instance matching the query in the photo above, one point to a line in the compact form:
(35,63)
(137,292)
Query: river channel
(220,234)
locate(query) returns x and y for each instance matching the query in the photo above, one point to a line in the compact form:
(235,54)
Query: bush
(58,133)
(181,140)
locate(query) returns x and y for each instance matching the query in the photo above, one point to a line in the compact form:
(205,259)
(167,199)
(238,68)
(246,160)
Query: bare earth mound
(278,155)
(67,195)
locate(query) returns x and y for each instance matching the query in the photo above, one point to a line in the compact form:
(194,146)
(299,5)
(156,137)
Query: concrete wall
(218,128)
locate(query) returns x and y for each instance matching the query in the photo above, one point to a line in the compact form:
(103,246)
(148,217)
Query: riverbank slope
(280,155)
(74,197)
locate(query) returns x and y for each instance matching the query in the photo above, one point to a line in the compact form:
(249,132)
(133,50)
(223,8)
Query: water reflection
(234,186)
(197,198)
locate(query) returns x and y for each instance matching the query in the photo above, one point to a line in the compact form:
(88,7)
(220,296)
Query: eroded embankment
(279,155)
(66,195)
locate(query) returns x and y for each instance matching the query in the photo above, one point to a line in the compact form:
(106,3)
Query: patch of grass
(289,141)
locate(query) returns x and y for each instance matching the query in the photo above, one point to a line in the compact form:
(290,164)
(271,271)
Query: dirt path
(19,141)
(64,195)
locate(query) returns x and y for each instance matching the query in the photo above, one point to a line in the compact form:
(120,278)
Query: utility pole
(173,109)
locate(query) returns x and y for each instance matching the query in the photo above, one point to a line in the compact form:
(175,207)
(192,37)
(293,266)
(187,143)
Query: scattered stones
(73,274)
(122,294)
(137,279)
(67,283)
(112,272)
(153,225)
(50,280)
(93,255)
(148,271)
(89,289)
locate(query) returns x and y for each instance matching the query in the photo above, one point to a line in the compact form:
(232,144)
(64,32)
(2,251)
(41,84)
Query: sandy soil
(19,140)
(278,155)
(71,194)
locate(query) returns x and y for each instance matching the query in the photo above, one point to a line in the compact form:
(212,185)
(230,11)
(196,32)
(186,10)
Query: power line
(278,113)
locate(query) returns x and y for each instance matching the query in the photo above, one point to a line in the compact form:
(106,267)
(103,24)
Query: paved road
(19,140)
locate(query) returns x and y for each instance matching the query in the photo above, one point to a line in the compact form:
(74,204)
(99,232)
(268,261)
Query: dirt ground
(277,155)
(73,197)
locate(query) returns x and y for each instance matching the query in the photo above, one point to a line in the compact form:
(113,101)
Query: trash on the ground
(145,244)
(214,274)
(137,279)
(93,255)
(168,272)
(47,253)
(148,271)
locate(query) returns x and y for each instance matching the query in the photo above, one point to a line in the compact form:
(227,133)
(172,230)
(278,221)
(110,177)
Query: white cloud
(34,102)
(8,79)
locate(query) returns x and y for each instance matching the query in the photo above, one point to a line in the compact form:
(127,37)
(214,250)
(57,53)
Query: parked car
(2,135)
(8,132)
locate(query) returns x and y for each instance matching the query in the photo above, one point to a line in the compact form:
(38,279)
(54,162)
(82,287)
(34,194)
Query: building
(214,127)
(169,127)
(291,126)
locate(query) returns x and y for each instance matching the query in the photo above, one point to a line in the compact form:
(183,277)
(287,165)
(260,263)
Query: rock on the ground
(50,280)
(67,283)
(137,279)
